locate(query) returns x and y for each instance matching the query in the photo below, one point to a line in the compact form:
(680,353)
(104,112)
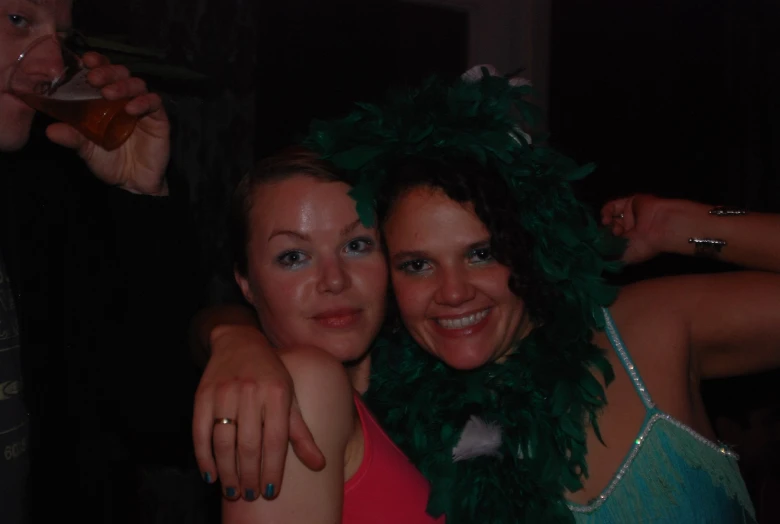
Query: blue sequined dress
(672,474)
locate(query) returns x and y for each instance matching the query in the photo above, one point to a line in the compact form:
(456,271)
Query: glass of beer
(52,79)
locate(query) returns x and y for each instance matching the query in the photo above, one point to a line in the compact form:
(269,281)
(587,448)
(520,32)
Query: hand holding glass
(52,79)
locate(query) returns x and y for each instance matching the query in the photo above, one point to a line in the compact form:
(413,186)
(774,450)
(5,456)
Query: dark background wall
(669,97)
(676,98)
(317,58)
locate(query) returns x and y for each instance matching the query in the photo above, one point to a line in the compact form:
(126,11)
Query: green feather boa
(539,400)
(545,393)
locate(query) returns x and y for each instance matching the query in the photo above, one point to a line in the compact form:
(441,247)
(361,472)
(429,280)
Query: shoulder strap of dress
(625,359)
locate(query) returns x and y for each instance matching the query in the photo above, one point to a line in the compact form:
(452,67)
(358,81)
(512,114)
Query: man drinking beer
(91,271)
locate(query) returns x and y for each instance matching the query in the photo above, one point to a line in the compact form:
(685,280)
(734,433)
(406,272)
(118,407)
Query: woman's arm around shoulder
(244,379)
(325,396)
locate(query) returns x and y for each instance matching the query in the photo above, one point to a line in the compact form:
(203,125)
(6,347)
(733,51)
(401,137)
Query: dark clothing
(104,293)
(14,427)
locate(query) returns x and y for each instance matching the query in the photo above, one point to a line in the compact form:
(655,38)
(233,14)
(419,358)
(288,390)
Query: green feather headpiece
(482,120)
(545,393)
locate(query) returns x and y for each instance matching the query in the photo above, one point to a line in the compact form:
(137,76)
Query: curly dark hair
(465,180)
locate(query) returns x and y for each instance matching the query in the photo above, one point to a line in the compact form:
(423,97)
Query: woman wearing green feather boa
(513,388)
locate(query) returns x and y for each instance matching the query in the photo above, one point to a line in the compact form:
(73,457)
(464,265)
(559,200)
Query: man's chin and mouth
(17,118)
(14,103)
(12,142)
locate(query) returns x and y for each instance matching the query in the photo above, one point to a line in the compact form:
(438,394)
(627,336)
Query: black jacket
(105,286)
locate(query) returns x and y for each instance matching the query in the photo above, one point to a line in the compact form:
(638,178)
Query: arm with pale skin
(245,380)
(654,225)
(326,400)
(731,320)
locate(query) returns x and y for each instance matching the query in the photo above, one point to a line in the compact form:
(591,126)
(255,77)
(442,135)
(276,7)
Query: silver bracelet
(725,211)
(707,247)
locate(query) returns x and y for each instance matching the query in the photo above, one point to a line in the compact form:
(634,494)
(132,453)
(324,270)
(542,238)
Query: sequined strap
(625,359)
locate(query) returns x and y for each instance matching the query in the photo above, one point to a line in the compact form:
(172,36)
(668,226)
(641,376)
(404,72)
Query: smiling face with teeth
(454,298)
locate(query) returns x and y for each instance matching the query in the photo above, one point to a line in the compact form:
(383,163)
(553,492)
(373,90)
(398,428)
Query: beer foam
(75,88)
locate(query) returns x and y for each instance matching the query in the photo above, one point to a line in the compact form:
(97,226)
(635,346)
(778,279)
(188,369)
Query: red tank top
(386,488)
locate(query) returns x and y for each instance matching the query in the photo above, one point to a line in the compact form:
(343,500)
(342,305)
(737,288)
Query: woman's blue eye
(414,266)
(291,259)
(359,246)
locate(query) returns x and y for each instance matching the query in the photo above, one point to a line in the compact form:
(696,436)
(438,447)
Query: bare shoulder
(322,387)
(655,337)
(649,317)
(310,363)
(663,298)
(685,294)
(324,396)
(649,295)
(669,319)
(649,303)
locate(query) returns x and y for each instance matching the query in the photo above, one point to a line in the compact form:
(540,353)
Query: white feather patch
(478,439)
(476,73)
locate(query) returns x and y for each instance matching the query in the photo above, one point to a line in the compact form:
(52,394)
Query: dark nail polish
(230,492)
(249,494)
(207,477)
(269,491)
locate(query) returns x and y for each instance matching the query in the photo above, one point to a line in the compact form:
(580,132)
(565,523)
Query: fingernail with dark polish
(207,477)
(230,492)
(269,491)
(249,494)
